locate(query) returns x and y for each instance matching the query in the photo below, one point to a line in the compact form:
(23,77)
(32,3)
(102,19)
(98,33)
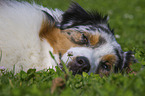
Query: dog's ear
(128,60)
(76,15)
(69,17)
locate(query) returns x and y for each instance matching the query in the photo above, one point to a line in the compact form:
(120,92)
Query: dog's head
(85,42)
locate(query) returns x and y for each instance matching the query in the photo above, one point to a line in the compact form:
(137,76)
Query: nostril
(83,63)
(79,65)
(82,60)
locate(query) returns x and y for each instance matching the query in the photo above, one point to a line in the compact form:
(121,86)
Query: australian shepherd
(81,39)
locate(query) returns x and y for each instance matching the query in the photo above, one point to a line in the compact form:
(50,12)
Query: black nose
(80,64)
(83,63)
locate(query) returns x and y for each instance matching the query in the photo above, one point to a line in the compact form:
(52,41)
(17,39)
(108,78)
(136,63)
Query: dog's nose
(83,62)
(80,64)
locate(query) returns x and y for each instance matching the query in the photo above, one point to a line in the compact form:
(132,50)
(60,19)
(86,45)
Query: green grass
(127,19)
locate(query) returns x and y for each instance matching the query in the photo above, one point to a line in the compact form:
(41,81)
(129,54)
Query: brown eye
(84,39)
(105,65)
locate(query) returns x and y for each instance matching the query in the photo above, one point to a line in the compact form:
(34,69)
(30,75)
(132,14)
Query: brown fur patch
(94,39)
(109,58)
(56,39)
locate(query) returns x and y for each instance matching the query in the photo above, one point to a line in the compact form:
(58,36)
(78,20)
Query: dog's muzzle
(79,64)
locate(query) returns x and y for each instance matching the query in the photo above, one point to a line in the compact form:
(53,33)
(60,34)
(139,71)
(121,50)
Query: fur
(29,31)
(19,37)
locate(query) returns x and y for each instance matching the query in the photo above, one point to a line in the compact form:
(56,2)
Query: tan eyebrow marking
(110,58)
(96,40)
(55,38)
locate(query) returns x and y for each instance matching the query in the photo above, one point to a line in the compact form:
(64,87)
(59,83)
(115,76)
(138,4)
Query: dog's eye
(84,39)
(105,65)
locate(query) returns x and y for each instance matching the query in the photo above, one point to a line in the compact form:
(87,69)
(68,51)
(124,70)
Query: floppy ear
(128,59)
(76,15)
(70,16)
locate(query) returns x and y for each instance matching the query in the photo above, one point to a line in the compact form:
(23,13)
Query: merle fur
(119,67)
(129,58)
(78,16)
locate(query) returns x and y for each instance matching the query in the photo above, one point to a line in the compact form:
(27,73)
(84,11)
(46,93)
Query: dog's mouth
(78,65)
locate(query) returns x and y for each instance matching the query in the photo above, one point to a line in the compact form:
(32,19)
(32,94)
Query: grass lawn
(127,19)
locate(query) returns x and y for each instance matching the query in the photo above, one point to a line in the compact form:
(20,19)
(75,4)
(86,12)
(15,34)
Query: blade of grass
(52,56)
(1,57)
(64,67)
(63,64)
(13,69)
(57,67)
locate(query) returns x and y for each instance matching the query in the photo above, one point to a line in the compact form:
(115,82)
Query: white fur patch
(19,37)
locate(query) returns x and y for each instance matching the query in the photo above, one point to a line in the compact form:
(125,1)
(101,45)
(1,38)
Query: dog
(81,39)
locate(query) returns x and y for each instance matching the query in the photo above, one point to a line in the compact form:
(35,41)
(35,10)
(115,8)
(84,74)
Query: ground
(127,20)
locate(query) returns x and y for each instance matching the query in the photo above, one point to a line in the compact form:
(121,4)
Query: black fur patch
(76,15)
(124,61)
(128,59)
(118,64)
(104,29)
